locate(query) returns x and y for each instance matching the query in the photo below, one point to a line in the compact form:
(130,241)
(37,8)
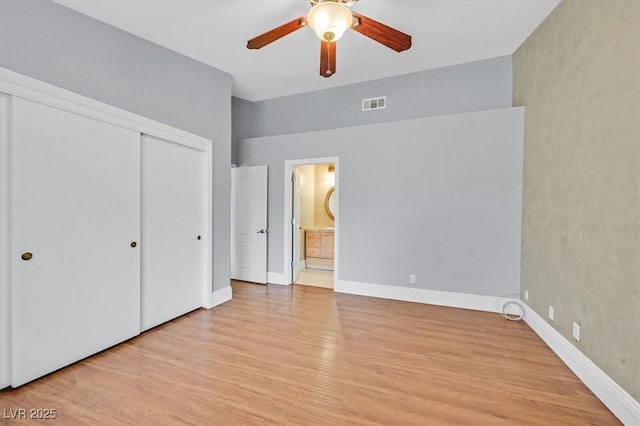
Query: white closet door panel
(173,216)
(75,206)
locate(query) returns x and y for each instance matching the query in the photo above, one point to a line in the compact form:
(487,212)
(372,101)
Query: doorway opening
(311,219)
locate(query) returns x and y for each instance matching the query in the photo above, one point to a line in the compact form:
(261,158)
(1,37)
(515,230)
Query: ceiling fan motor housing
(329,20)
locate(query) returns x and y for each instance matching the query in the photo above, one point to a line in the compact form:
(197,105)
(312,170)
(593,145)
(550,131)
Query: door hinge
(293,177)
(293,221)
(292,263)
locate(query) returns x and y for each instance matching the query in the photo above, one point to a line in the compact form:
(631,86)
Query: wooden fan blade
(381,33)
(270,36)
(327,58)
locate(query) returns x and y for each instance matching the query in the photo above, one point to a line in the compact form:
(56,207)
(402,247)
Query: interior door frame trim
(289,165)
(5,243)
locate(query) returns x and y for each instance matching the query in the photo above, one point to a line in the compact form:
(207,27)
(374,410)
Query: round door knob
(26,256)
(133,244)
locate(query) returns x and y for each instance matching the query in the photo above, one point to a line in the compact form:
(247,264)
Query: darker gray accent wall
(57,45)
(473,86)
(242,124)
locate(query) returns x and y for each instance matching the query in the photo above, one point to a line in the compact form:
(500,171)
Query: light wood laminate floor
(316,278)
(308,356)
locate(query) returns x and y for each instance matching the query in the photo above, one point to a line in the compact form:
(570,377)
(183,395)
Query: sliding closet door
(75,263)
(173,226)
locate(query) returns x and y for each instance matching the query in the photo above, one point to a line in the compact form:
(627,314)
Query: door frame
(289,165)
(295,227)
(5,245)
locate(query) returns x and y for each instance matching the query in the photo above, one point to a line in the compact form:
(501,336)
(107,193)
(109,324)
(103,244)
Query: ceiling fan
(330,19)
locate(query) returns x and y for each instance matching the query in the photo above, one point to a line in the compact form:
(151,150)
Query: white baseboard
(431,297)
(218,297)
(621,404)
(321,267)
(277,278)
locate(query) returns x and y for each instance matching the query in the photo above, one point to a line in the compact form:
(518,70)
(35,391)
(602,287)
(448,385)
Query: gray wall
(436,197)
(467,87)
(578,77)
(54,44)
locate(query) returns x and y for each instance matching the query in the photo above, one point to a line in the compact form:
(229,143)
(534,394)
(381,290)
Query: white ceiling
(215,32)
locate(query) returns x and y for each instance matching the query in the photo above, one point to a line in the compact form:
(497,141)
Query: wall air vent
(374,103)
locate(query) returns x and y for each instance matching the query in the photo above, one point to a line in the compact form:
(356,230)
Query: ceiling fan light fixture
(329,20)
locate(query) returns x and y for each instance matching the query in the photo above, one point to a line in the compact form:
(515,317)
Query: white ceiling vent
(374,103)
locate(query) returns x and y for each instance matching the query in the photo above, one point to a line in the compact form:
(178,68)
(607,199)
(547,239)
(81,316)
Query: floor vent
(374,103)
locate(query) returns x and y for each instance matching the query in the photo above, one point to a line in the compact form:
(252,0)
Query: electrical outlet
(526,295)
(576,331)
(412,279)
(551,312)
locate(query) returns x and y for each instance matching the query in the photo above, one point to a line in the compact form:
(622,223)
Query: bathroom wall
(323,182)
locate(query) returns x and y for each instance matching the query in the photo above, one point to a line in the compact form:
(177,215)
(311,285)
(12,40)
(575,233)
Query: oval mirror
(329,202)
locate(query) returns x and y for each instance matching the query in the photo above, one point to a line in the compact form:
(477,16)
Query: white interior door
(173,226)
(75,188)
(295,225)
(250,223)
